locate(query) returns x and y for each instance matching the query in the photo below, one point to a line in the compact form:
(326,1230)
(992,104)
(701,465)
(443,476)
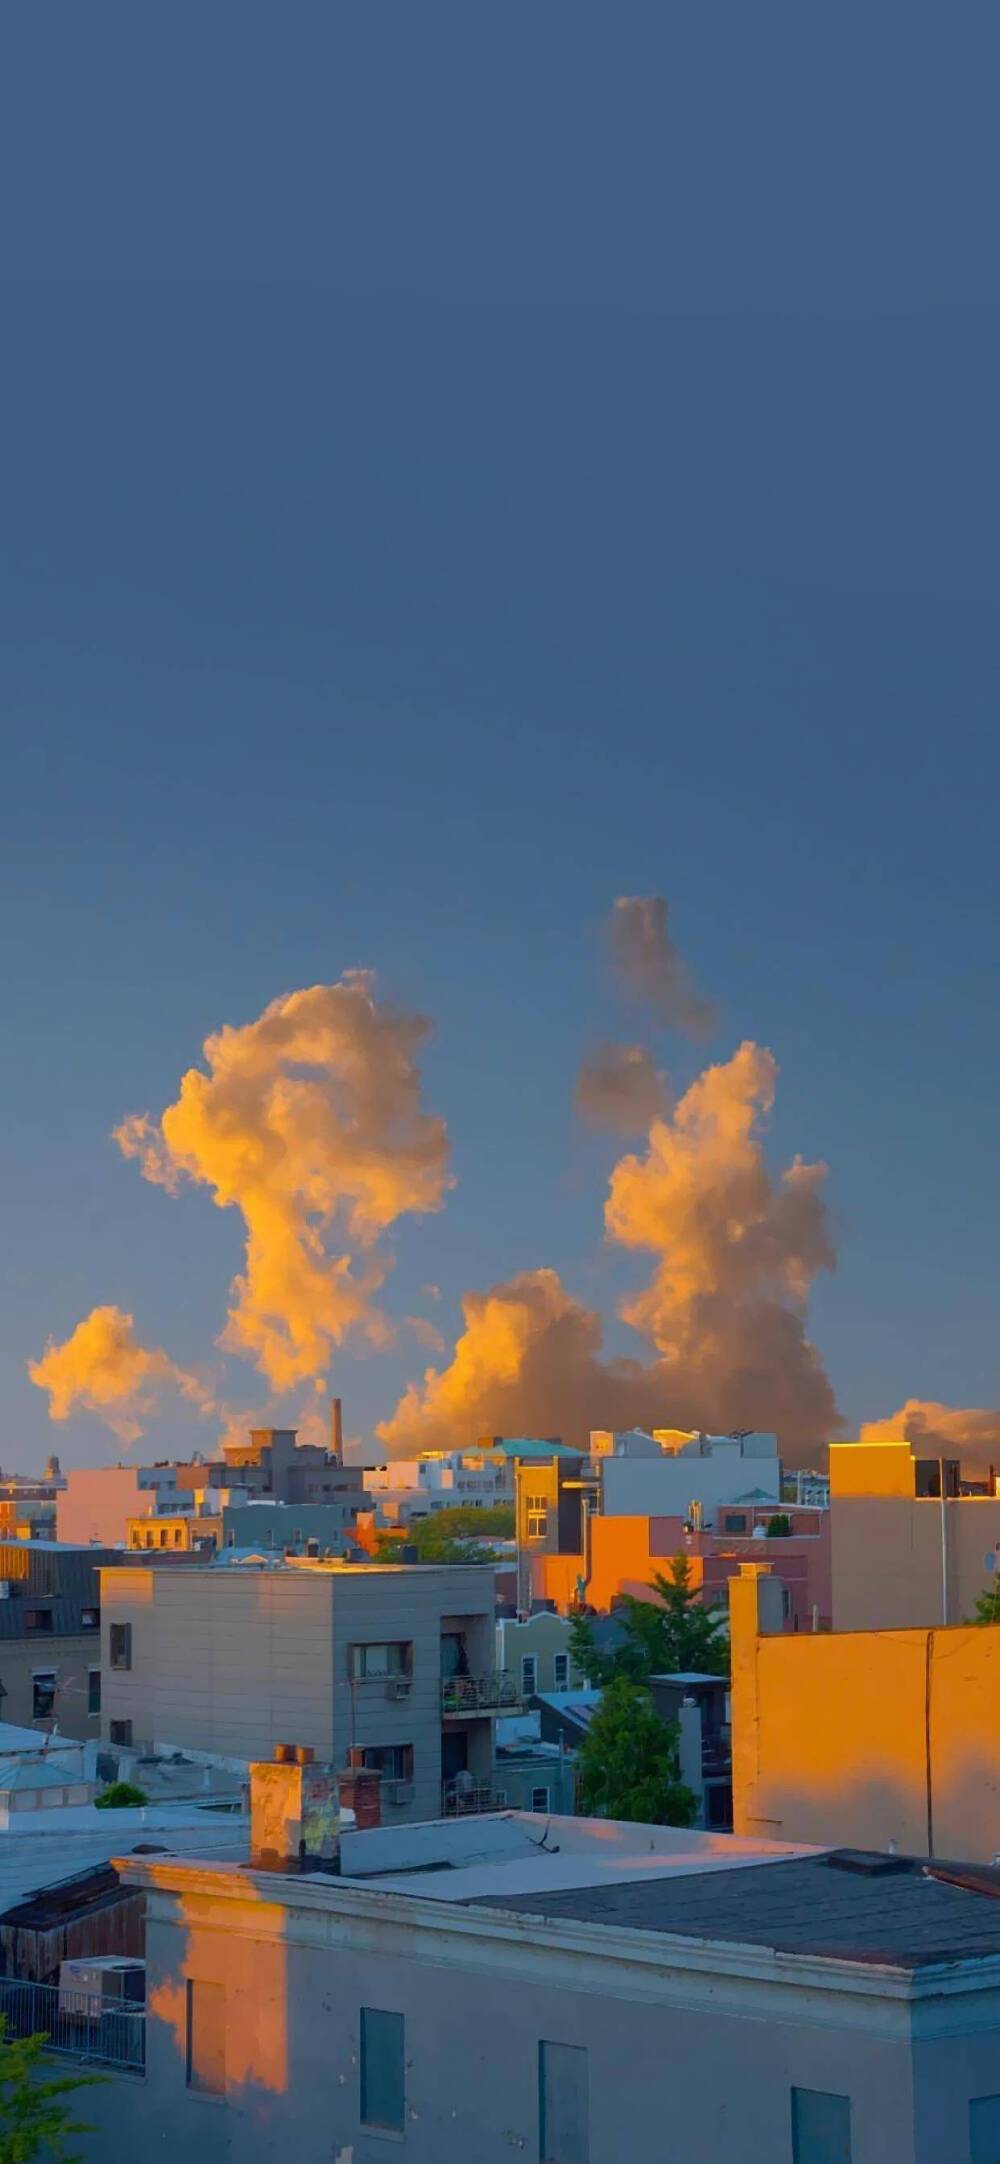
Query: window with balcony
(389,1657)
(120,1645)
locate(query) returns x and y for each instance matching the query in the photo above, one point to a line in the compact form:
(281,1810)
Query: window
(38,1619)
(90,1619)
(93,1690)
(786,1603)
(120,1646)
(562,2104)
(120,1732)
(539,1799)
(984,2130)
(178,1535)
(43,1693)
(529,1674)
(395,1659)
(206,2037)
(821,2127)
(734,1521)
(394,1761)
(383,2081)
(560,1671)
(163,1538)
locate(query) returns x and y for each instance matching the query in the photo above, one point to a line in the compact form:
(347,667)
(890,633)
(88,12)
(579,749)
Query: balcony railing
(108,2032)
(464,1802)
(479,1694)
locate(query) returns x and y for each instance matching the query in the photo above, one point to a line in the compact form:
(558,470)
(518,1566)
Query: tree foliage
(780,1526)
(628,1764)
(987,1608)
(121,1796)
(657,1638)
(36,2119)
(451,1536)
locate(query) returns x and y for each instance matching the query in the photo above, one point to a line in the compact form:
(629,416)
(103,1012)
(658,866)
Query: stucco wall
(679,2063)
(887,1563)
(862,1738)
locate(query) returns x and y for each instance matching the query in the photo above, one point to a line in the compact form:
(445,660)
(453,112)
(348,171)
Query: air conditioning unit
(398,1687)
(85,1986)
(400,1792)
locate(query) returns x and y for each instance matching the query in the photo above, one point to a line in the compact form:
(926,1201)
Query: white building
(409,1488)
(564,1990)
(674,1474)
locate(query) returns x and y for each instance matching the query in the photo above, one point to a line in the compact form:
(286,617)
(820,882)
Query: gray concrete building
(395,1662)
(50,1639)
(618,1992)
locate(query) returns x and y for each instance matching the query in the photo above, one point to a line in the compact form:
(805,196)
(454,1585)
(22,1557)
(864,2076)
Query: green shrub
(121,1796)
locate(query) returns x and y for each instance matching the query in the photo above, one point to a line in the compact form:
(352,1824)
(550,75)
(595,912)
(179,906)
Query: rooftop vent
(868,1862)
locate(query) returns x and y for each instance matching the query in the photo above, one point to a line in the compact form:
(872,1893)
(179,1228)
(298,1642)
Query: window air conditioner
(398,1687)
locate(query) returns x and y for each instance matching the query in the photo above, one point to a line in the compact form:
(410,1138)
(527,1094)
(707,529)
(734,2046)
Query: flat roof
(514,1857)
(58,1844)
(814,1904)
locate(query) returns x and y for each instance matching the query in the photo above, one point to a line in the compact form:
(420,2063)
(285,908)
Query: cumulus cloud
(618,1087)
(647,965)
(309,1122)
(735,1253)
(968,1432)
(102,1368)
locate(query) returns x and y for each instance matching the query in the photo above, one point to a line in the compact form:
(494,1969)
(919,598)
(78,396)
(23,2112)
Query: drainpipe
(944,1546)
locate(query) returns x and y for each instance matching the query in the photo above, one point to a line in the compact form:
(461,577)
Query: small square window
(90,1619)
(821,2127)
(120,1732)
(38,1619)
(539,1799)
(383,2075)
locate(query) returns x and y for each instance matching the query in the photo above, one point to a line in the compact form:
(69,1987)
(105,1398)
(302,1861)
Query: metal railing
(458,1802)
(108,2032)
(479,1694)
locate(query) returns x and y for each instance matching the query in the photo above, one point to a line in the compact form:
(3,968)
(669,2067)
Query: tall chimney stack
(337,1430)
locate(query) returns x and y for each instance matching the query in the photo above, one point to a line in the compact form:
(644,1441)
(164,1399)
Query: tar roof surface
(808,1906)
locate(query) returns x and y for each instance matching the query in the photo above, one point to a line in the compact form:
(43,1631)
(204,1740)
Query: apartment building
(621,1991)
(409,1488)
(535,1649)
(909,1545)
(880,1738)
(50,1638)
(394,1662)
(99,1503)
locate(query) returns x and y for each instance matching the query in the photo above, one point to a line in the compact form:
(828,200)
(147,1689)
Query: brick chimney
(337,1431)
(294,1812)
(361,1792)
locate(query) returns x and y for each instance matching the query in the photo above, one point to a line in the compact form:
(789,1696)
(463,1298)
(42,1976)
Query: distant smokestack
(337,1430)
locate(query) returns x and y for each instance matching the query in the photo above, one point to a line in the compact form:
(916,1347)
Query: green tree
(780,1526)
(121,1796)
(657,1638)
(451,1536)
(628,1763)
(987,1608)
(36,2120)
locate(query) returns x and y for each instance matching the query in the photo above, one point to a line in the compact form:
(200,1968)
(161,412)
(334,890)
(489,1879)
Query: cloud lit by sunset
(309,1122)
(102,1368)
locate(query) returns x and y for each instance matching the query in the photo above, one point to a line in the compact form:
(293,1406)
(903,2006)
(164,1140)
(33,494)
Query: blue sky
(458,470)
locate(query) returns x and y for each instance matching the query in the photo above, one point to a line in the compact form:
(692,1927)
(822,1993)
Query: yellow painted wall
(871,1469)
(830,1735)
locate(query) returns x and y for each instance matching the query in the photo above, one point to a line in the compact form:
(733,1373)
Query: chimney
(337,1430)
(361,1792)
(294,1812)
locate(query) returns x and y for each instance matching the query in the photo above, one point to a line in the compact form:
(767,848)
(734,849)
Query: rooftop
(55,1845)
(517,1858)
(831,1905)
